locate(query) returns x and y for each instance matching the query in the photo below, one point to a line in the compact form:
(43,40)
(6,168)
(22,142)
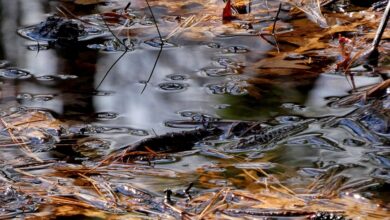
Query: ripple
(172,87)
(194,114)
(46,78)
(64,77)
(177,77)
(317,141)
(287,119)
(380,158)
(14,73)
(158,160)
(231,88)
(353,142)
(38,47)
(43,98)
(294,56)
(156,42)
(111,130)
(106,115)
(24,96)
(294,107)
(255,165)
(227,62)
(31,97)
(235,49)
(114,46)
(218,72)
(381,173)
(4,63)
(214,45)
(214,153)
(103,93)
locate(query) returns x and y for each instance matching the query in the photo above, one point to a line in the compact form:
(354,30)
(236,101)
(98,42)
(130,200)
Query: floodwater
(105,99)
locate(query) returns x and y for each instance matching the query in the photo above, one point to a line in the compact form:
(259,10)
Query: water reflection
(194,85)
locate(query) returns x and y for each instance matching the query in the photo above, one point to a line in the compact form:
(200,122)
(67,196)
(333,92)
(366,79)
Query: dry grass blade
(25,148)
(188,23)
(211,203)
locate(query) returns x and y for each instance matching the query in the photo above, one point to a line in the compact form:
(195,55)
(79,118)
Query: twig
(161,46)
(109,70)
(273,34)
(382,27)
(118,59)
(154,67)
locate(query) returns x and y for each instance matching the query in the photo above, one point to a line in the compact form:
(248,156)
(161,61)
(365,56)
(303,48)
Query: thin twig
(118,59)
(154,67)
(273,34)
(382,27)
(161,46)
(109,70)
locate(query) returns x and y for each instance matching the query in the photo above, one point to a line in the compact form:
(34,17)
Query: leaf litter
(249,178)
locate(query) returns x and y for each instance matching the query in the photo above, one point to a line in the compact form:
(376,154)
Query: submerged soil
(229,116)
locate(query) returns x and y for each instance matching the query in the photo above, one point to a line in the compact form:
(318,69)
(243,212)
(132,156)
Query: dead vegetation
(101,188)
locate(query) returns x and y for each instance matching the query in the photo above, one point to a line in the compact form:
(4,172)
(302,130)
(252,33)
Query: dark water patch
(172,86)
(174,142)
(14,73)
